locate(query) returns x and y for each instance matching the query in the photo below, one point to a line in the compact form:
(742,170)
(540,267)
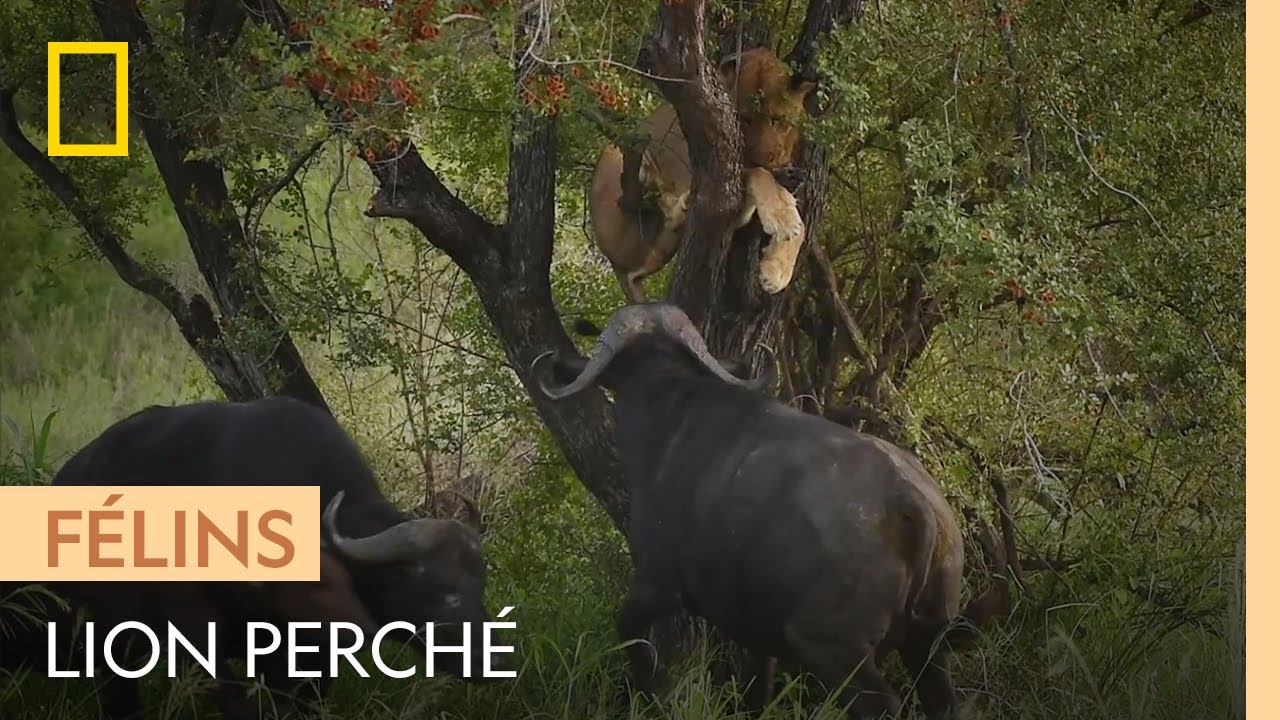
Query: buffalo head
(423,570)
(648,332)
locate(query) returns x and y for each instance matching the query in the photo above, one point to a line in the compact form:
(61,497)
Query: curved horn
(678,325)
(397,543)
(625,326)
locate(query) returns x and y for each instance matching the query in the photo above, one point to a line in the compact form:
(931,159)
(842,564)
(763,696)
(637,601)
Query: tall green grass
(74,339)
(566,577)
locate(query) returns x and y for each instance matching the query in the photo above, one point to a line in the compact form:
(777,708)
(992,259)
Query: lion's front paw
(775,274)
(778,264)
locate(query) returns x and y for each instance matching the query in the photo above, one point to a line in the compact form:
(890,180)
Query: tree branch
(139,277)
(262,199)
(739,27)
(216,24)
(824,278)
(1000,492)
(1026,131)
(531,174)
(918,316)
(408,188)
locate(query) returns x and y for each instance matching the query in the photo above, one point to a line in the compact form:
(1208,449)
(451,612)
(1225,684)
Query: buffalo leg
(931,671)
(761,669)
(833,659)
(644,606)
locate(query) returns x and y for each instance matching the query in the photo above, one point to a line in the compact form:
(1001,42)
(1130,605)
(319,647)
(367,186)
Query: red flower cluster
(402,92)
(555,87)
(607,95)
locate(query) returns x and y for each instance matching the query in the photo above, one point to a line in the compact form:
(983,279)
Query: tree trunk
(267,362)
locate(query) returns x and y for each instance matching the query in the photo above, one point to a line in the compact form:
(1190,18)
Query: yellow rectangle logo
(121,52)
(160,533)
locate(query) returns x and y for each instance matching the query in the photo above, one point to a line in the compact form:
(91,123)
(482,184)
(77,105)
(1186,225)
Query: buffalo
(800,539)
(379,564)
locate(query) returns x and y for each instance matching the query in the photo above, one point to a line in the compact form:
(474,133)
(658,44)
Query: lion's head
(771,104)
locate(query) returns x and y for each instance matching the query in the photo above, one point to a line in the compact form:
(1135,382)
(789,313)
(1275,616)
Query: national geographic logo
(121,52)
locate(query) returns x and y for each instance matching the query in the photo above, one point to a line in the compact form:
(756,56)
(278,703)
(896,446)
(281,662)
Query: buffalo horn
(625,326)
(631,322)
(397,543)
(679,327)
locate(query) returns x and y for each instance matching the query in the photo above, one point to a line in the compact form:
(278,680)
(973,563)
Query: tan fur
(771,110)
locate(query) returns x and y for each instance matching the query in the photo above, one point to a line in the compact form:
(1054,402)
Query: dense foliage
(1058,187)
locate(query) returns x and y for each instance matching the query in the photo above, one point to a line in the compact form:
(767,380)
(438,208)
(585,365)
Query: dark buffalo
(380,564)
(799,538)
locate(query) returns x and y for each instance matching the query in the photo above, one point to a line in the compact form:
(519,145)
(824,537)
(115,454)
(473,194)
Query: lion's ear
(805,93)
(803,88)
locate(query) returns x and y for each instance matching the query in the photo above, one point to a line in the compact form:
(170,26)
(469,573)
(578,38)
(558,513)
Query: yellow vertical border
(1262,148)
(121,52)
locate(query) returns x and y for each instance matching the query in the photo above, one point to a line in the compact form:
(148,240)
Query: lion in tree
(640,240)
